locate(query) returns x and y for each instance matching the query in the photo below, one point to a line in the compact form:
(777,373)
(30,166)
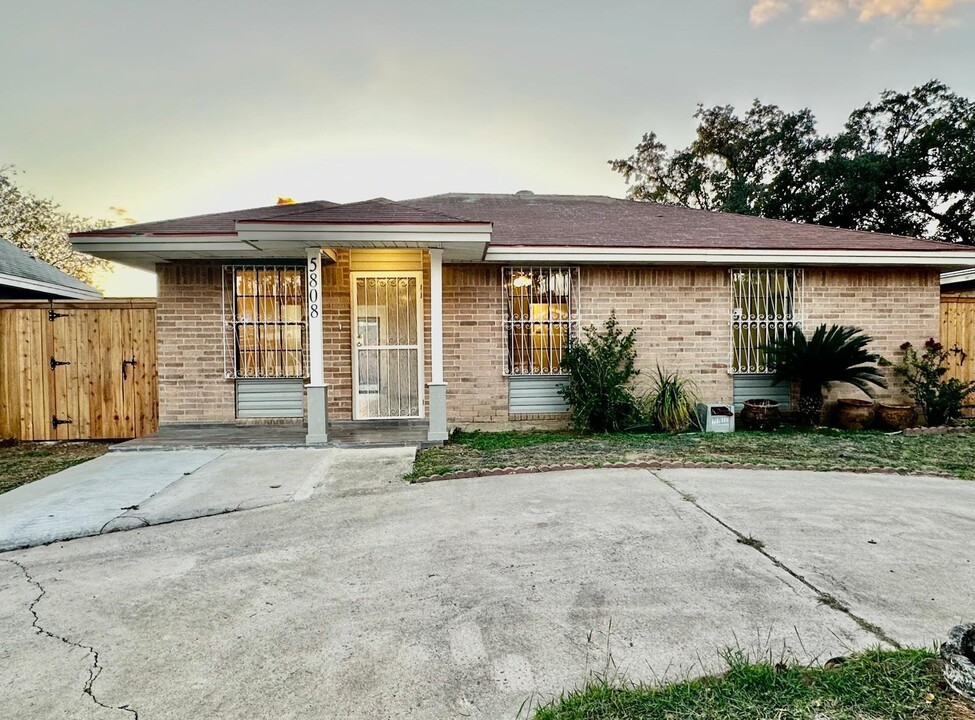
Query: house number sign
(314,287)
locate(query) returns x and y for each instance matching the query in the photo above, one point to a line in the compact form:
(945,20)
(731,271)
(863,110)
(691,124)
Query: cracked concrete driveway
(477,598)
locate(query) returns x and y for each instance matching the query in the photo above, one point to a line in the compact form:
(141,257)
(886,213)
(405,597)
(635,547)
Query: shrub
(669,405)
(940,399)
(834,355)
(600,369)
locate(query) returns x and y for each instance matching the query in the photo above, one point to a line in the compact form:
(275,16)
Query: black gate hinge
(55,421)
(55,363)
(52,316)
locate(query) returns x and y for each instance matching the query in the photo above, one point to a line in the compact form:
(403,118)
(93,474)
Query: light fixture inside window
(521,280)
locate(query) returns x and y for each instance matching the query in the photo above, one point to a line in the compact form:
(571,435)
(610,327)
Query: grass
(875,685)
(820,449)
(22,463)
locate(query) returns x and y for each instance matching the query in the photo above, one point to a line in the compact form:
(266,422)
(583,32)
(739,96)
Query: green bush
(940,399)
(669,404)
(600,369)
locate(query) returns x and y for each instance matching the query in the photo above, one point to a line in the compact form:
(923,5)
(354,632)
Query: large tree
(904,165)
(41,226)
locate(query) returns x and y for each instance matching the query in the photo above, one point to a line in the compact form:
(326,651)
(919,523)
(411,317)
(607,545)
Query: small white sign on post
(316,361)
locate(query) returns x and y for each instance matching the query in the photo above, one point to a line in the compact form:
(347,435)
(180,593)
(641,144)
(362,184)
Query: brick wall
(682,312)
(192,387)
(892,306)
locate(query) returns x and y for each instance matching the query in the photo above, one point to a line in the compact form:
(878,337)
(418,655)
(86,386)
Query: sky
(152,110)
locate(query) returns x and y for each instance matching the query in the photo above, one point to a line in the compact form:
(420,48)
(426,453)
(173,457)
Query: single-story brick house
(455,308)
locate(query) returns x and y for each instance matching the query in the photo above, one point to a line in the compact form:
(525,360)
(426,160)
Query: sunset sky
(176,108)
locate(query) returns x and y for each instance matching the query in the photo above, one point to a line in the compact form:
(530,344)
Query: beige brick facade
(683,314)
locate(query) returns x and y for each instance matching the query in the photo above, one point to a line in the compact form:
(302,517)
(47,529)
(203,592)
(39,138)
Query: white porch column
(316,390)
(437,387)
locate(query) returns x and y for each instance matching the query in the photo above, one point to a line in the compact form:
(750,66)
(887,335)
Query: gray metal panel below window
(267,398)
(749,387)
(536,395)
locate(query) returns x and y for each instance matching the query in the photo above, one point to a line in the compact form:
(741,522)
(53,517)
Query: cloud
(915,12)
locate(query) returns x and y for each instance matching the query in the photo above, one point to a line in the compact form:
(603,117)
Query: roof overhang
(59,291)
(257,240)
(958,276)
(938,259)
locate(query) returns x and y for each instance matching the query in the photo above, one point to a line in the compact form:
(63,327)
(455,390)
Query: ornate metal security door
(387,342)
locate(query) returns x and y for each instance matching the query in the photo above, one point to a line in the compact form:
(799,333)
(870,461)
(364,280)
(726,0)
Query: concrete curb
(666,465)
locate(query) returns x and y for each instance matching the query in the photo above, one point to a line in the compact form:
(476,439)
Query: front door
(387,342)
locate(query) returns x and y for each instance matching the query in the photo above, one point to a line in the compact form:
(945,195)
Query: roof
(20,269)
(514,227)
(212,224)
(604,222)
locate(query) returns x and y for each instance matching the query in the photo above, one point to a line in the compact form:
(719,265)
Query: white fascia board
(958,276)
(48,288)
(674,256)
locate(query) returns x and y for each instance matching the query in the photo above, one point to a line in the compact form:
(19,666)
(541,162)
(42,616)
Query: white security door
(387,338)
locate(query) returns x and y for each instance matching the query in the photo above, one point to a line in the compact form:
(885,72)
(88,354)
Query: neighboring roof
(212,224)
(603,222)
(20,269)
(956,277)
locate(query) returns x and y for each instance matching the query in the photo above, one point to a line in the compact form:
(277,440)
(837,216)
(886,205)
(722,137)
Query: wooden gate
(958,331)
(78,370)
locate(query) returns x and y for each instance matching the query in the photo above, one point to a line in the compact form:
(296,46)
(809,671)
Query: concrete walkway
(478,598)
(121,491)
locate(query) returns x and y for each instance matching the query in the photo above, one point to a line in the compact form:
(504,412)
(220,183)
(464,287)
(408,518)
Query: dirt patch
(22,463)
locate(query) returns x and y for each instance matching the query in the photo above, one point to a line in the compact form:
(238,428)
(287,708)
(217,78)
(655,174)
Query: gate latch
(55,363)
(55,421)
(131,362)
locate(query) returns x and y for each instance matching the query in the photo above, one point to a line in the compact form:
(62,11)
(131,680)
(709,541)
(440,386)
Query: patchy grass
(875,685)
(821,449)
(21,463)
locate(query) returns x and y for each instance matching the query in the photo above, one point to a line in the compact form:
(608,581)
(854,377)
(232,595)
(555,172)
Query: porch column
(437,387)
(316,390)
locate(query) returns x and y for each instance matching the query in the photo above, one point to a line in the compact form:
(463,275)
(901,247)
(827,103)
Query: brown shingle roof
(599,221)
(209,224)
(377,210)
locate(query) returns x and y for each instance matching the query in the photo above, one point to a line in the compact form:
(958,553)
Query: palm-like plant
(835,355)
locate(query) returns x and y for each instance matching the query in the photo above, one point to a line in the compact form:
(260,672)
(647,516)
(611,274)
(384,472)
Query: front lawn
(23,462)
(876,685)
(821,449)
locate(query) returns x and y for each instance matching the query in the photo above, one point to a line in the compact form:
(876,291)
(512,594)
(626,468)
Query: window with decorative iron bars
(765,304)
(264,321)
(540,315)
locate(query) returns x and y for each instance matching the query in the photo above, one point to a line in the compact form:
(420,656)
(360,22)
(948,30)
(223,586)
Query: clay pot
(896,416)
(760,414)
(852,414)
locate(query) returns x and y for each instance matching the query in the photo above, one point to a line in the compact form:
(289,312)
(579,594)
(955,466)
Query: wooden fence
(77,370)
(958,331)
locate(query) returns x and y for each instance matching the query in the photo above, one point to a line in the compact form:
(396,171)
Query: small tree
(600,370)
(834,355)
(940,399)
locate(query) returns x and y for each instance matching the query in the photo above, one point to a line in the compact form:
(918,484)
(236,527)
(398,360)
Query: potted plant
(896,416)
(760,414)
(837,354)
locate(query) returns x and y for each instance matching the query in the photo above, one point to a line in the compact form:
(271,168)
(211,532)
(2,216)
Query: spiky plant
(669,405)
(835,355)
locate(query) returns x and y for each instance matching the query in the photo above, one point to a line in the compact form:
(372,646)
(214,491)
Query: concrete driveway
(478,598)
(122,491)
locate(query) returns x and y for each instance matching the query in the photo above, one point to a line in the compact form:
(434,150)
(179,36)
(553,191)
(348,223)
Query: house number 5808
(313,288)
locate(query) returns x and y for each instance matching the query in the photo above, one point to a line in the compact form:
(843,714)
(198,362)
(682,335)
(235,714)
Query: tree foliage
(41,226)
(904,165)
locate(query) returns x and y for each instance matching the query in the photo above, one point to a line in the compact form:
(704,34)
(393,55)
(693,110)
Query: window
(765,304)
(264,321)
(541,314)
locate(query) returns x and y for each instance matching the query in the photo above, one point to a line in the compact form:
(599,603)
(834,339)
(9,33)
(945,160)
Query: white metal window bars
(264,320)
(765,304)
(540,315)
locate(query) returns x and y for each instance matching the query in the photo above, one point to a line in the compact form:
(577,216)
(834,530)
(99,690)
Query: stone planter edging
(939,430)
(663,465)
(957,654)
